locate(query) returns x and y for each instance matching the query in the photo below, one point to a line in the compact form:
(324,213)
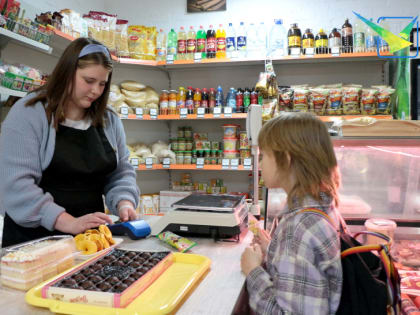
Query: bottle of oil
(334,40)
(307,40)
(347,37)
(294,37)
(321,42)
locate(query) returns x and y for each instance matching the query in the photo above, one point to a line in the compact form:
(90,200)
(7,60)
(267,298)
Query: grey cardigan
(27,144)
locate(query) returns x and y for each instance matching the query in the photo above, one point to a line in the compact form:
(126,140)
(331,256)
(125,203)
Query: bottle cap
(230,24)
(220,25)
(278,21)
(182,28)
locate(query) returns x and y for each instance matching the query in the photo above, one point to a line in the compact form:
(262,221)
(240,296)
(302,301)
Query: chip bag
(369,101)
(318,101)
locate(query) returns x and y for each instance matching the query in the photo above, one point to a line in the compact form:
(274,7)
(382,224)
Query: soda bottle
(211,42)
(201,41)
(197,99)
(219,97)
(252,42)
(308,40)
(180,98)
(239,101)
(230,41)
(182,44)
(191,44)
(189,101)
(212,99)
(231,99)
(359,37)
(161,46)
(261,43)
(221,42)
(205,99)
(241,41)
(347,37)
(254,97)
(247,99)
(277,39)
(321,42)
(334,40)
(172,43)
(370,39)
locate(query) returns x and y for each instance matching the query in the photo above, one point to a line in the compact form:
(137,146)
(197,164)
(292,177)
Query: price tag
(225,164)
(234,163)
(153,113)
(124,112)
(227,111)
(166,163)
(295,52)
(200,162)
(183,112)
(247,164)
(169,59)
(134,162)
(149,162)
(200,112)
(217,111)
(335,51)
(309,52)
(197,57)
(139,113)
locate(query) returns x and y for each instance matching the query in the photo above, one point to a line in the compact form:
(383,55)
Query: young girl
(62,149)
(302,272)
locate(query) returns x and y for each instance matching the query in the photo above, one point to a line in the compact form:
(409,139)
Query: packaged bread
(351,100)
(132,85)
(137,37)
(151,95)
(318,99)
(300,100)
(115,88)
(121,39)
(135,102)
(134,94)
(335,97)
(115,99)
(368,101)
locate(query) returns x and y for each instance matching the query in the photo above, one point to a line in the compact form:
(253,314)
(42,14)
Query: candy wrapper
(253,224)
(182,244)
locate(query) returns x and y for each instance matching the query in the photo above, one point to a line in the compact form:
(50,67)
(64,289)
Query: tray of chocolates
(113,280)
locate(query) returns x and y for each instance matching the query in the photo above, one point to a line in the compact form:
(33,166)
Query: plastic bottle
(383,45)
(211,42)
(201,41)
(370,39)
(242,41)
(219,97)
(261,42)
(181,98)
(205,99)
(172,43)
(212,99)
(189,102)
(161,46)
(334,40)
(197,99)
(231,99)
(252,42)
(308,41)
(230,41)
(191,44)
(239,101)
(347,37)
(277,40)
(182,44)
(321,42)
(294,39)
(359,37)
(247,99)
(221,42)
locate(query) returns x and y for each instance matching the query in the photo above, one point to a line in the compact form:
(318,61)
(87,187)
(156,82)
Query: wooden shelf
(189,167)
(189,117)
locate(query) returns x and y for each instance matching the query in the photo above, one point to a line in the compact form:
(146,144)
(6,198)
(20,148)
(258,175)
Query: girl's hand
(252,257)
(262,238)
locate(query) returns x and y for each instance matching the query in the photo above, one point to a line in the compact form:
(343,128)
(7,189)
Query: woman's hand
(262,238)
(126,211)
(68,224)
(252,257)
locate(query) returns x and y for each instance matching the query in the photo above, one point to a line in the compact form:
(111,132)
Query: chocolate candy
(135,264)
(129,281)
(137,275)
(79,277)
(103,286)
(118,263)
(96,267)
(113,280)
(121,287)
(87,271)
(86,284)
(95,278)
(126,260)
(131,254)
(69,282)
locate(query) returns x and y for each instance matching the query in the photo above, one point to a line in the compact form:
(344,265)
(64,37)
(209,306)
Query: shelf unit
(5,90)
(191,167)
(24,41)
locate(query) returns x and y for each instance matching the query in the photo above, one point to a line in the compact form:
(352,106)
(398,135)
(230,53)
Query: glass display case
(380,179)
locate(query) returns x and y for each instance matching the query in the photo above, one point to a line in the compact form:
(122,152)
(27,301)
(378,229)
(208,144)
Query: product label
(334,42)
(201,45)
(308,43)
(164,104)
(171,50)
(191,45)
(160,52)
(172,104)
(221,44)
(359,39)
(205,103)
(241,43)
(347,31)
(182,48)
(211,45)
(230,44)
(321,43)
(294,41)
(189,104)
(370,42)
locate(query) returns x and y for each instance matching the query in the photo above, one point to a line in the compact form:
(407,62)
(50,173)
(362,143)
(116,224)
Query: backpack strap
(321,213)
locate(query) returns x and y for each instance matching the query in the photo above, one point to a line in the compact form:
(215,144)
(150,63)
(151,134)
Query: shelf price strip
(166,163)
(139,113)
(200,112)
(247,164)
(200,163)
(149,163)
(228,112)
(216,112)
(183,112)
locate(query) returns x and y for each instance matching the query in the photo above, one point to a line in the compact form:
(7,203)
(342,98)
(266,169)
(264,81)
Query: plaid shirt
(303,274)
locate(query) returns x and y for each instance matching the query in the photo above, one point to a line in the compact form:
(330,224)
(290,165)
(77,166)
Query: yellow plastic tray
(164,296)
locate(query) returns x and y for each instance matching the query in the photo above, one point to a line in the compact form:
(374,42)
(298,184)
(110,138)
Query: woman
(302,272)
(62,149)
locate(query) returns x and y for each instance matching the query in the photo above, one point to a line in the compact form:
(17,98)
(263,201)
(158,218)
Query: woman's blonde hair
(312,159)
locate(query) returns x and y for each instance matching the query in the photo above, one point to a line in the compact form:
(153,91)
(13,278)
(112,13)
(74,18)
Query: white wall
(309,14)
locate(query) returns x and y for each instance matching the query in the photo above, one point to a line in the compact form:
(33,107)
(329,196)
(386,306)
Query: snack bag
(285,100)
(369,101)
(335,102)
(384,101)
(136,41)
(182,244)
(318,100)
(300,100)
(268,108)
(351,100)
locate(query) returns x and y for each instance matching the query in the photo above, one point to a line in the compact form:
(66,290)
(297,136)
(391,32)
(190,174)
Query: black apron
(75,178)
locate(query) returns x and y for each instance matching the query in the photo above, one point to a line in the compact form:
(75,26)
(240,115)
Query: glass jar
(187,132)
(181,132)
(188,144)
(174,144)
(172,102)
(164,102)
(181,144)
(187,157)
(179,157)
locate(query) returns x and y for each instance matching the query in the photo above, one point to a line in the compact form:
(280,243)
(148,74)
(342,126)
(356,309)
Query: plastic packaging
(219,97)
(211,42)
(182,244)
(161,46)
(191,43)
(370,39)
(231,99)
(347,37)
(230,41)
(172,43)
(252,42)
(221,42)
(277,40)
(261,42)
(359,37)
(242,41)
(383,226)
(182,44)
(230,144)
(201,41)
(230,131)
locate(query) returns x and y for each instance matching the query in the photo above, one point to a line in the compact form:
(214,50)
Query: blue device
(134,229)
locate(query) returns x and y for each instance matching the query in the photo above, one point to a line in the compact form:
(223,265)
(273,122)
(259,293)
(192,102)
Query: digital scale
(218,216)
